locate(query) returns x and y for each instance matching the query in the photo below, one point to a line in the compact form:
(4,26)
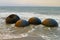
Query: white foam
(8,36)
(27,14)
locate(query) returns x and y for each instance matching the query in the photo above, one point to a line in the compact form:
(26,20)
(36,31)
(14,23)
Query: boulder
(34,21)
(21,23)
(13,18)
(50,23)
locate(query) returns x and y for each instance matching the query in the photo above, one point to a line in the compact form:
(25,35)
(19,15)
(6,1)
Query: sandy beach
(26,38)
(31,32)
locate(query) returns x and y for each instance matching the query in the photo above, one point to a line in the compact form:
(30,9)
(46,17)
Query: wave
(29,15)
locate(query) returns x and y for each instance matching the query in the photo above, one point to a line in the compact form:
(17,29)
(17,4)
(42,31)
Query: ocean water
(40,31)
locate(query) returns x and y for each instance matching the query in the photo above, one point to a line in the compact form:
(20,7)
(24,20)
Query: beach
(32,32)
(26,38)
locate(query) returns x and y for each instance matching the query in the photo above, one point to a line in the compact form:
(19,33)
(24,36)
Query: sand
(26,38)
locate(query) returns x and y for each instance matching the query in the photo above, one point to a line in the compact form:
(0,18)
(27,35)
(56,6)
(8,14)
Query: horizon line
(34,6)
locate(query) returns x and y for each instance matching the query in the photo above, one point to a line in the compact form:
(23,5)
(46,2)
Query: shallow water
(35,32)
(9,31)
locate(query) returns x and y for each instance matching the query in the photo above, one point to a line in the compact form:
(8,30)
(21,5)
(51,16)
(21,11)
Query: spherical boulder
(13,18)
(21,23)
(34,21)
(50,23)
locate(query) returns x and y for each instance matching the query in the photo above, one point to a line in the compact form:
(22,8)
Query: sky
(29,2)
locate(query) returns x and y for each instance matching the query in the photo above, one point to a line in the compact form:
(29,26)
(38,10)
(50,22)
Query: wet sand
(26,38)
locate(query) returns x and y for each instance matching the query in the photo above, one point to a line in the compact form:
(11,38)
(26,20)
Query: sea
(31,32)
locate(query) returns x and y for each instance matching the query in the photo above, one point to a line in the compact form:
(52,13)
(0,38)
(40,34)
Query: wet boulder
(21,23)
(13,18)
(50,23)
(34,21)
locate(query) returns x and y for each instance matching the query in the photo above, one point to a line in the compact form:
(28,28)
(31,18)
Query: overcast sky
(29,2)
